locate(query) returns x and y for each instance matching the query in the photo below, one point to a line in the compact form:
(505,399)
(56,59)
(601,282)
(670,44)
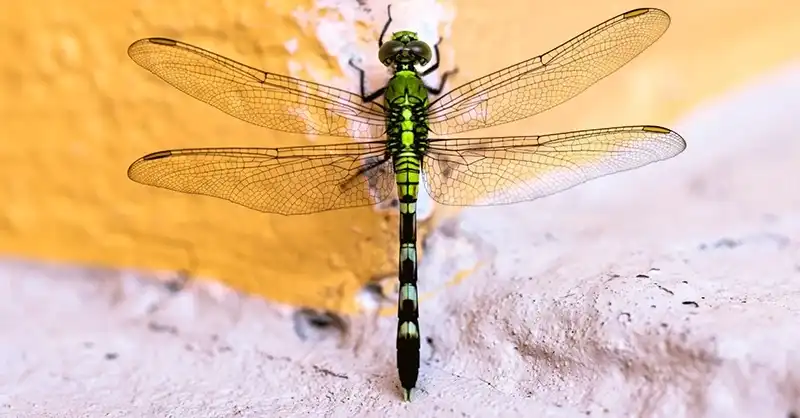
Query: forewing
(540,83)
(265,99)
(493,171)
(288,181)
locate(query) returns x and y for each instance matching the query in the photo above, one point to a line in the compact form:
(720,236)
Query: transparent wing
(540,83)
(288,181)
(265,99)
(493,171)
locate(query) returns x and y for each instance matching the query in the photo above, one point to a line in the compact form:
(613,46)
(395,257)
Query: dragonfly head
(405,48)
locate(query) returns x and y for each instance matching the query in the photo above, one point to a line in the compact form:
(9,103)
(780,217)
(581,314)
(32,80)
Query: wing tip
(641,11)
(677,138)
(149,157)
(154,40)
(649,10)
(132,48)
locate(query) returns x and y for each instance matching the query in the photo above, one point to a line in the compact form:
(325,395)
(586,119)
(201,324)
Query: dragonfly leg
(363,81)
(434,67)
(445,75)
(364,170)
(386,26)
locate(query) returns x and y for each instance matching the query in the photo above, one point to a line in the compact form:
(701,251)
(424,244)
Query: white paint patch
(425,205)
(337,27)
(291,45)
(336,24)
(294,67)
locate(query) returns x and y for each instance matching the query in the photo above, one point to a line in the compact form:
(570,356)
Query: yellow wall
(75,111)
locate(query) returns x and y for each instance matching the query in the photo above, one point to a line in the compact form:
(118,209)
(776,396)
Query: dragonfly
(399,136)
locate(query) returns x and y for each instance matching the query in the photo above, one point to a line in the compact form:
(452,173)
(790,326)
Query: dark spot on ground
(162,328)
(177,283)
(375,290)
(665,289)
(327,372)
(309,321)
(722,243)
(727,243)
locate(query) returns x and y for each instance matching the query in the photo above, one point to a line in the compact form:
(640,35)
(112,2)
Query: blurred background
(75,111)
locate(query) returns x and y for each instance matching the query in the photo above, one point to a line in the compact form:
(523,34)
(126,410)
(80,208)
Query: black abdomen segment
(408,335)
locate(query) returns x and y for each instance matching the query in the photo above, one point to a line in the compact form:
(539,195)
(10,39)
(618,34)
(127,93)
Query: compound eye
(389,50)
(421,50)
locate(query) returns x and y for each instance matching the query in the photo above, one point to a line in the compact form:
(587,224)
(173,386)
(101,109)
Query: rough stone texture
(671,291)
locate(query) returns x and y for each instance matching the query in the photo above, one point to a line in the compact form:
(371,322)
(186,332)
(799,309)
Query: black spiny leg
(364,170)
(434,67)
(386,26)
(363,77)
(378,93)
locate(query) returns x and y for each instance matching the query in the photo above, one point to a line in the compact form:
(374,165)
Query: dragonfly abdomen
(407,170)
(407,138)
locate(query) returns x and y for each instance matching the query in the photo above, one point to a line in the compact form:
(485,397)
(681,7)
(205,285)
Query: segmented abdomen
(407,161)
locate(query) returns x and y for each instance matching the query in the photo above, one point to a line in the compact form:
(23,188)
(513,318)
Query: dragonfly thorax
(406,90)
(406,100)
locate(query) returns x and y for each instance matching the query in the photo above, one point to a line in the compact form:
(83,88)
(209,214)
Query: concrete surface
(670,291)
